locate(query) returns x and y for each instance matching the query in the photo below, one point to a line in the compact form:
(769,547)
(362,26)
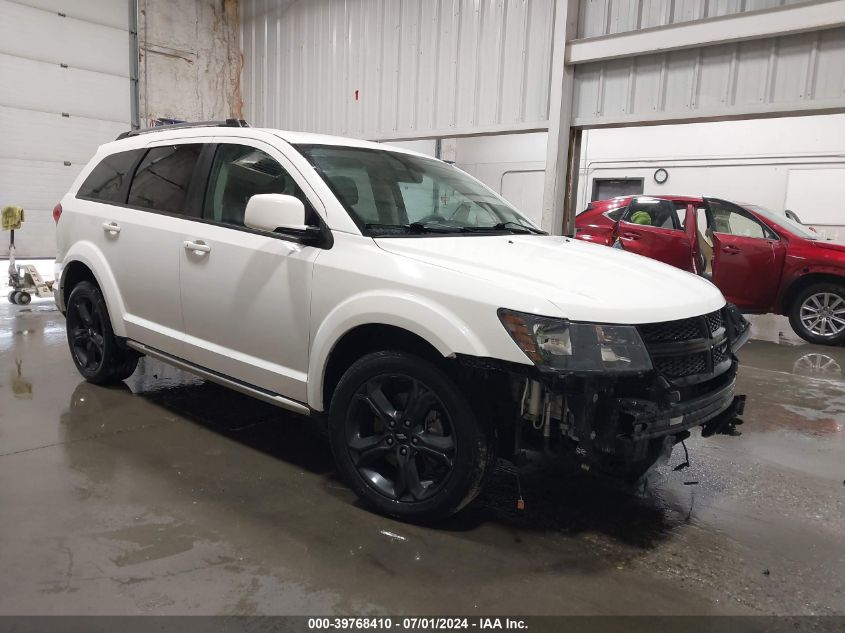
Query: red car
(761,261)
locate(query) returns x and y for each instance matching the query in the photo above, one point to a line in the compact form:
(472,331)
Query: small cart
(25,281)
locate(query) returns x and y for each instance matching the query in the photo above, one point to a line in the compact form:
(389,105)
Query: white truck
(423,319)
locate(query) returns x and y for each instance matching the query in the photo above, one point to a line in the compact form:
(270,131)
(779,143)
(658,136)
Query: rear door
(139,232)
(747,256)
(653,228)
(246,294)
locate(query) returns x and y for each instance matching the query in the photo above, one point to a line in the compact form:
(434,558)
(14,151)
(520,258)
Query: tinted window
(163,177)
(653,212)
(615,215)
(238,173)
(105,182)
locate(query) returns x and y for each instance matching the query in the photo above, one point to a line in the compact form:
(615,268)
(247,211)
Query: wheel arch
(373,323)
(796,286)
(84,262)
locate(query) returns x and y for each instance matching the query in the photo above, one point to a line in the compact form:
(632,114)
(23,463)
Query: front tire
(405,438)
(818,314)
(93,346)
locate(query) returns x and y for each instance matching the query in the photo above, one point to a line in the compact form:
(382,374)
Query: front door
(652,227)
(747,256)
(246,294)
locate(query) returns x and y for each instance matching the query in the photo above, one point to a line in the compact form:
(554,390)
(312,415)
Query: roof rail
(182,126)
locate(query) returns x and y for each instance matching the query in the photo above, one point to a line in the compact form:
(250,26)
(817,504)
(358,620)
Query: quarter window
(105,182)
(162,179)
(238,173)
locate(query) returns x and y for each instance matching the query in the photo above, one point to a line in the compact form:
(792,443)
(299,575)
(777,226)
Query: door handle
(629,236)
(196,247)
(730,250)
(111,227)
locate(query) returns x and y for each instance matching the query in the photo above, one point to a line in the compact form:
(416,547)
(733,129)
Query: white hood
(585,281)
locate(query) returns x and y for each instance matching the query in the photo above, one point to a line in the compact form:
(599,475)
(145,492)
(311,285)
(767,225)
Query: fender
(796,277)
(433,322)
(87,253)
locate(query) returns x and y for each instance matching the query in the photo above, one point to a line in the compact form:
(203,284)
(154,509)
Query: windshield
(799,229)
(392,193)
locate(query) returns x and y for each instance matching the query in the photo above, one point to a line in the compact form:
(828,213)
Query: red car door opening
(652,227)
(747,257)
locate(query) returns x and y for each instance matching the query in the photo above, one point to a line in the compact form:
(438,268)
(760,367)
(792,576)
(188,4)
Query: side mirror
(279,213)
(271,211)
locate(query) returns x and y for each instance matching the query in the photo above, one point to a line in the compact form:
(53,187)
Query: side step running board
(220,379)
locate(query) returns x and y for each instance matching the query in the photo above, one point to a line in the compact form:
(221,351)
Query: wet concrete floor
(173,496)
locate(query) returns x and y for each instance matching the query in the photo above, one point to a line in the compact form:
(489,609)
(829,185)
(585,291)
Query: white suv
(427,322)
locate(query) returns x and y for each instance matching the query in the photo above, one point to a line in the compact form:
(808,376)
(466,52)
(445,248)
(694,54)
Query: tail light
(57,212)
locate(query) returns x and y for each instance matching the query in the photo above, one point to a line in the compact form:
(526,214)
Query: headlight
(579,347)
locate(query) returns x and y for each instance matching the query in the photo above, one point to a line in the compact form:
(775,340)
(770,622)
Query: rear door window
(162,179)
(105,182)
(653,212)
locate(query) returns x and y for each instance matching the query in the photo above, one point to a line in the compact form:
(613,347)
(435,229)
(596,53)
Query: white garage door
(64,90)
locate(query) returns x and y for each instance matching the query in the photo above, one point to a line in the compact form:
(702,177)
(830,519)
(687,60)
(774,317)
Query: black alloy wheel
(400,437)
(86,334)
(406,439)
(93,347)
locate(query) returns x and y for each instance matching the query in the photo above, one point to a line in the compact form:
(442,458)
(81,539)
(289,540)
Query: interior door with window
(150,215)
(653,228)
(747,256)
(246,294)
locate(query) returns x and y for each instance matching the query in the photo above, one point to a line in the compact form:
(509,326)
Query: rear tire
(93,346)
(405,438)
(11,297)
(817,314)
(23,298)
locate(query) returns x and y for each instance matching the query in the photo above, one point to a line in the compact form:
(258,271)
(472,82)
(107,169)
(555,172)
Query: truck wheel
(405,438)
(23,298)
(818,314)
(93,347)
(13,297)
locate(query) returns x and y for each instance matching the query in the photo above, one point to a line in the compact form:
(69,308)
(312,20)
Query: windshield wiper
(435,227)
(513,227)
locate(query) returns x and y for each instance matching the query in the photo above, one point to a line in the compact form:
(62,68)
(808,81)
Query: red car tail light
(57,212)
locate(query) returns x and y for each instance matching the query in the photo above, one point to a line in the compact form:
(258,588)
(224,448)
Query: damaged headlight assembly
(563,345)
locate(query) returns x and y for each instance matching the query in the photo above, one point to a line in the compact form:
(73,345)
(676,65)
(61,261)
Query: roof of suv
(294,138)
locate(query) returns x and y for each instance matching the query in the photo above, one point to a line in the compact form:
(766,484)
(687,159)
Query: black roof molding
(183,126)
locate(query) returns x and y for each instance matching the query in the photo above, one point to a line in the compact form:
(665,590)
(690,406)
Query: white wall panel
(604,17)
(418,67)
(77,64)
(783,75)
(77,43)
(113,13)
(47,87)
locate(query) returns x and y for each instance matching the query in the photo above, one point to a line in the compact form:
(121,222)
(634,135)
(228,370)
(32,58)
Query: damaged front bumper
(715,410)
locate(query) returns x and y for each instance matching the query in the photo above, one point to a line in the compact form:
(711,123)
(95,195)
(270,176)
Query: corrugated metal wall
(604,17)
(791,74)
(385,69)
